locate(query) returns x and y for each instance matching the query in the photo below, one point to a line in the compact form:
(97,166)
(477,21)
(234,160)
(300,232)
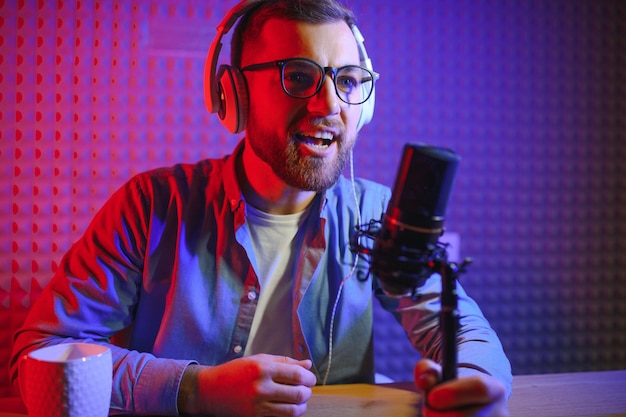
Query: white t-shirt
(276,241)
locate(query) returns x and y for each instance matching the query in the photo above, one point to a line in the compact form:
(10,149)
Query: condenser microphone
(407,244)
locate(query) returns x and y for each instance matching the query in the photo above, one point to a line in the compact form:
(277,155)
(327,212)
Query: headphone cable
(343,281)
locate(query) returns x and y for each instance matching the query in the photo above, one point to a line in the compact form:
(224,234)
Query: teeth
(318,134)
(316,138)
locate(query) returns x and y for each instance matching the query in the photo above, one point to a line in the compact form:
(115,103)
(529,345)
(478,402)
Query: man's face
(306,142)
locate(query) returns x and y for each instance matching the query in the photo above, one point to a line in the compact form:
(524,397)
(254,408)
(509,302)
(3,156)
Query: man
(228,286)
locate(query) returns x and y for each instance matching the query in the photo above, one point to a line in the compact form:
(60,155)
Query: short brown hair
(308,11)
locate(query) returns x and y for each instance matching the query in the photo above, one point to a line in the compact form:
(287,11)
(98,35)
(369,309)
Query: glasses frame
(280,64)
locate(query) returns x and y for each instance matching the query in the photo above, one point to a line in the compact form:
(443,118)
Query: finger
(427,374)
(289,394)
(464,392)
(294,373)
(488,410)
(305,363)
(282,409)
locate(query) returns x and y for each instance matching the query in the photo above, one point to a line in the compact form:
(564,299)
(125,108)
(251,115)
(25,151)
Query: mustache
(322,122)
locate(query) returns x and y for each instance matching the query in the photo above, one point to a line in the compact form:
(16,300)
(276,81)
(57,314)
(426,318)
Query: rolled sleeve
(156,390)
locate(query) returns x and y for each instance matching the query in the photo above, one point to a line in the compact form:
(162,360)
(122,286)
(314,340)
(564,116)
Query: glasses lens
(301,78)
(354,84)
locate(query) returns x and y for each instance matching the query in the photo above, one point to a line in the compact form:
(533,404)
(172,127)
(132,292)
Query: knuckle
(296,410)
(302,395)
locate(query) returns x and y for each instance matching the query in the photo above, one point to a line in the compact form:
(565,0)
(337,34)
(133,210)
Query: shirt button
(237,349)
(251,295)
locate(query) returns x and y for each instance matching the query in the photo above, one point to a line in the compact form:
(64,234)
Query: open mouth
(319,139)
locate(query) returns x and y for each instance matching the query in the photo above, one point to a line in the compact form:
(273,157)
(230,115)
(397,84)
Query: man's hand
(469,396)
(258,385)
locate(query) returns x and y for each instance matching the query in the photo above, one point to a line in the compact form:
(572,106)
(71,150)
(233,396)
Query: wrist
(187,399)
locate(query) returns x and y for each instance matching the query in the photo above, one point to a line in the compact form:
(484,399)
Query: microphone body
(407,246)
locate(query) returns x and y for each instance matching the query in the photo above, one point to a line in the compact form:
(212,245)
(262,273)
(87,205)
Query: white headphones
(225,90)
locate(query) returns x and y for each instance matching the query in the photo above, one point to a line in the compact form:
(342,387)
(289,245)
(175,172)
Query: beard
(305,172)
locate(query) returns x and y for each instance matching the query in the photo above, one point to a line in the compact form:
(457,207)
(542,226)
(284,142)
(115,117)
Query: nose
(325,102)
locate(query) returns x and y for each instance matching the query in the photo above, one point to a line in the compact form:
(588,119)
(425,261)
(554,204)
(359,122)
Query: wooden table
(584,394)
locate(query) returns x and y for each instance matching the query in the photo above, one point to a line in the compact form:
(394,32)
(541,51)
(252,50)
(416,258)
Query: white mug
(67,380)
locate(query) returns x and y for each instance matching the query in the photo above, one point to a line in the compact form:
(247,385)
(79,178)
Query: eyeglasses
(303,78)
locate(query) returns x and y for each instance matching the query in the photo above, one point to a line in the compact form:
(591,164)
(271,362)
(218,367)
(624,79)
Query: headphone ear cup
(367,108)
(233,92)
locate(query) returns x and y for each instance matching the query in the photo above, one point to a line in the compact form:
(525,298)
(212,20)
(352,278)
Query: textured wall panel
(530,93)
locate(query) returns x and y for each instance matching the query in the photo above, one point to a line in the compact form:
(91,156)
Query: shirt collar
(231,184)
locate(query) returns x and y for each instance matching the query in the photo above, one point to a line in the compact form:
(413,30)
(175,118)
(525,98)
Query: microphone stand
(449,316)
(414,267)
(435,259)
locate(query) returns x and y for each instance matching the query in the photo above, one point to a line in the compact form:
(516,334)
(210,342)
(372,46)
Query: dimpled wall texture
(531,94)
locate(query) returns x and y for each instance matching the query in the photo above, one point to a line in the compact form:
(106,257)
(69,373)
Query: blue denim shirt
(165,274)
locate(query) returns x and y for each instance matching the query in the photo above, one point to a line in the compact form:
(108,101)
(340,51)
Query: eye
(347,83)
(299,79)
(351,78)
